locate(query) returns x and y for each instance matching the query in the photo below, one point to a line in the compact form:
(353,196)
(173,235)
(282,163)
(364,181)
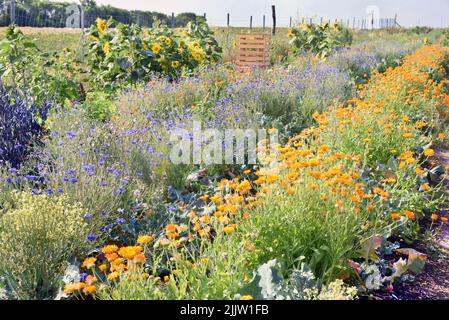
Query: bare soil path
(433,283)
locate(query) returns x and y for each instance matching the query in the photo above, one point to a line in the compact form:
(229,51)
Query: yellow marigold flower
(205,260)
(248,297)
(145,239)
(114,275)
(419,171)
(291,192)
(103,267)
(408,135)
(89,263)
(429,152)
(229,230)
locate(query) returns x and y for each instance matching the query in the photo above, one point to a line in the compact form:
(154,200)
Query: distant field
(51,39)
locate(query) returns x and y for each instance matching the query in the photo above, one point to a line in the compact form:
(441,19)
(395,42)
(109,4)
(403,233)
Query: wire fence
(75,17)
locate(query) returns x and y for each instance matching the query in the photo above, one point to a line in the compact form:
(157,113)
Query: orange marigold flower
(90,290)
(395,216)
(103,267)
(291,192)
(434,217)
(171,228)
(229,230)
(444,219)
(74,287)
(409,214)
(111,256)
(109,249)
(130,252)
(89,263)
(426,187)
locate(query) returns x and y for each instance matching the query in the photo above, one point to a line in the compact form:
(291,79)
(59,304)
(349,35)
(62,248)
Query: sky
(433,13)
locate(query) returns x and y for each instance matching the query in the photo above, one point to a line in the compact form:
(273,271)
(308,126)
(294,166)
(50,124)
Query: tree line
(44,13)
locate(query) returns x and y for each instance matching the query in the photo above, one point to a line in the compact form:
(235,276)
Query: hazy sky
(410,12)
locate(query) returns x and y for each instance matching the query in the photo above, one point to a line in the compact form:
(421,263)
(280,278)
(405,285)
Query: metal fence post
(12,11)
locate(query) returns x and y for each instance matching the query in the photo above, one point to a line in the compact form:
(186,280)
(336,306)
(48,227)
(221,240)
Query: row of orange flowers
(312,159)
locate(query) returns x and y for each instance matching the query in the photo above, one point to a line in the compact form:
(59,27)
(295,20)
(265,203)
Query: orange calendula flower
(90,290)
(89,263)
(426,187)
(409,214)
(434,217)
(291,192)
(109,249)
(395,216)
(111,256)
(171,228)
(74,287)
(130,252)
(229,230)
(444,219)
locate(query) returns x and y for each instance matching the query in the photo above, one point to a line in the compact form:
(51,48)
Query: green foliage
(321,40)
(123,55)
(421,30)
(44,75)
(38,234)
(99,106)
(269,284)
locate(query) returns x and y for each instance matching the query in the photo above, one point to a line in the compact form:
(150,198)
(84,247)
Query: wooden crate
(252,51)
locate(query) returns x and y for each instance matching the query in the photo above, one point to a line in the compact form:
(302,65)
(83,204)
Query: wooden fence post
(264,22)
(228,20)
(273,11)
(251,23)
(172,19)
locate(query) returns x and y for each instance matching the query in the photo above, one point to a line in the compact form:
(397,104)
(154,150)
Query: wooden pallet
(252,51)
